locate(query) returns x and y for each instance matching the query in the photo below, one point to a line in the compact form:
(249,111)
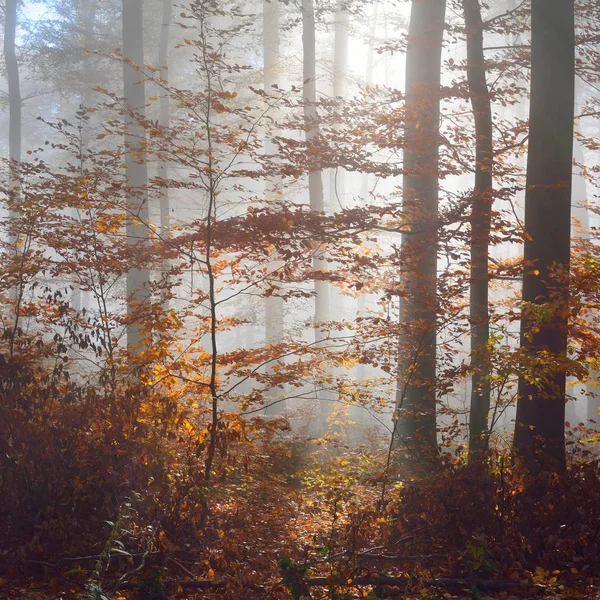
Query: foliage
(172,469)
(489,518)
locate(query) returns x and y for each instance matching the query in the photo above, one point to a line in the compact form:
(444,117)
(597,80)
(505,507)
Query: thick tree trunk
(274,304)
(416,397)
(539,429)
(315,181)
(480,227)
(138,278)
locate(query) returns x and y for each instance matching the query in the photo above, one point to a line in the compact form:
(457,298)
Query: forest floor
(322,533)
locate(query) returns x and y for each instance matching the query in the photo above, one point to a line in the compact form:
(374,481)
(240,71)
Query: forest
(299,299)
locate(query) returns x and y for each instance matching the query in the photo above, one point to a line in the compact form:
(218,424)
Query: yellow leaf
(152,98)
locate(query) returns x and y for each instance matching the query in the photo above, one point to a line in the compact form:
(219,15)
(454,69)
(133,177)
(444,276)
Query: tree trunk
(14,135)
(579,200)
(86,22)
(138,277)
(337,177)
(480,228)
(416,397)
(163,120)
(315,181)
(271,59)
(364,194)
(539,429)
(580,236)
(14,87)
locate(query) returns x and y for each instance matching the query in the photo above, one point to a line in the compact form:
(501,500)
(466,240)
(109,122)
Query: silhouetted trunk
(480,227)
(271,66)
(315,181)
(539,429)
(136,169)
(416,396)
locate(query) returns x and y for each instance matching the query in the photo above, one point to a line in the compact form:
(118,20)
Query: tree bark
(580,238)
(273,304)
(85,22)
(14,142)
(315,180)
(164,203)
(364,194)
(14,87)
(138,277)
(539,430)
(337,179)
(480,228)
(416,396)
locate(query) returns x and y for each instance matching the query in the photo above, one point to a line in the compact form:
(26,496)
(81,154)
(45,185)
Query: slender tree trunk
(416,396)
(581,211)
(315,181)
(138,278)
(580,235)
(539,429)
(337,179)
(86,12)
(480,227)
(14,87)
(580,198)
(273,304)
(364,194)
(14,133)
(371,48)
(163,120)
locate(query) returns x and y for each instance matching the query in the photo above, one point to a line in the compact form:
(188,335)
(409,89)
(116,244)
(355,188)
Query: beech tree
(480,226)
(274,308)
(164,119)
(416,395)
(337,178)
(138,276)
(14,87)
(14,135)
(539,429)
(315,178)
(173,448)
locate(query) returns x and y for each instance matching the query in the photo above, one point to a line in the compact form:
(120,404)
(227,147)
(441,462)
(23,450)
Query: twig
(169,559)
(402,582)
